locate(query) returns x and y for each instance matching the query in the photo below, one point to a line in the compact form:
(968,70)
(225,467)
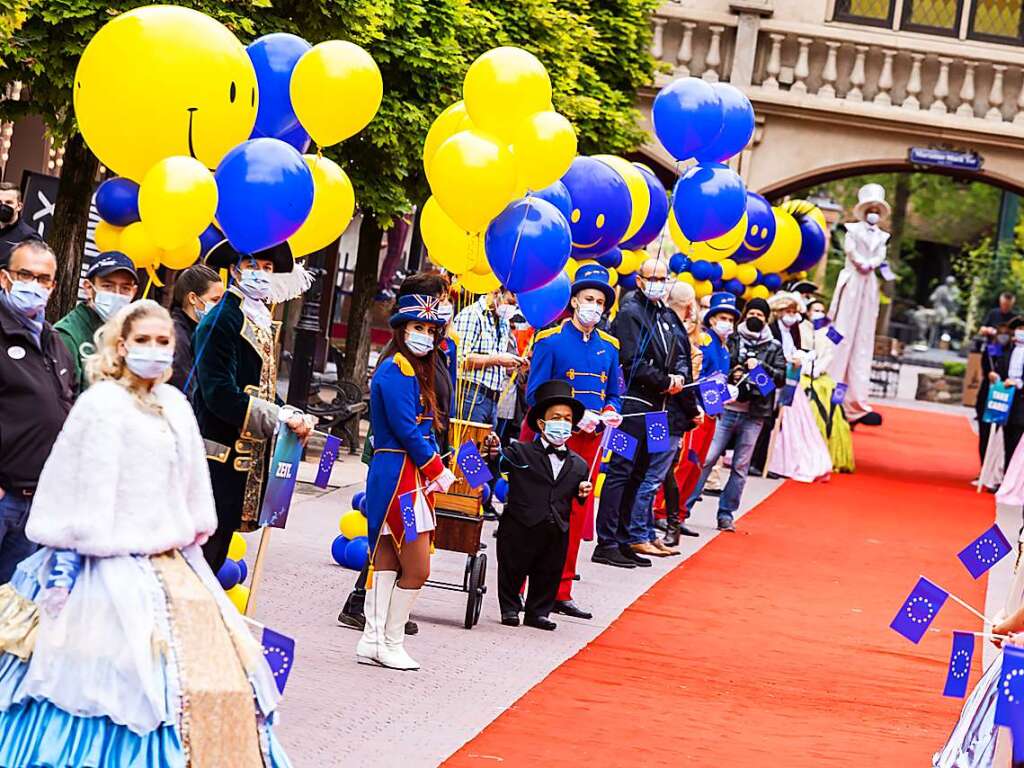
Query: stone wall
(935,387)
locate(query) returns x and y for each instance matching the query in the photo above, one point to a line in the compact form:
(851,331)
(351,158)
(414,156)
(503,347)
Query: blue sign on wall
(946,158)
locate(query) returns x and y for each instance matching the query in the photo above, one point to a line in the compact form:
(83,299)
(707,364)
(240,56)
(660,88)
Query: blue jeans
(641,517)
(479,405)
(738,425)
(14,546)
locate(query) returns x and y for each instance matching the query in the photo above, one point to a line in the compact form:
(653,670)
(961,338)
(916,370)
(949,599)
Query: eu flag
(279,651)
(330,455)
(1010,701)
(473,465)
(407,506)
(656,425)
(839,393)
(833,335)
(993,349)
(712,397)
(985,551)
(621,443)
(919,609)
(960,658)
(759,378)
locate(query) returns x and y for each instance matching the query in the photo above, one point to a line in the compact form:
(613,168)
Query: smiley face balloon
(160,81)
(601,207)
(760,232)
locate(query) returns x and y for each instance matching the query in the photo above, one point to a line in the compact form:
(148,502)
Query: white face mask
(149,362)
(419,343)
(203,309)
(557,432)
(790,320)
(723,328)
(1018,337)
(445,312)
(655,291)
(872,218)
(588,314)
(506,311)
(817,315)
(255,284)
(28,298)
(106,303)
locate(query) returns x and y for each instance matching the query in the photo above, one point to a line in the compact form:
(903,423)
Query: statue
(855,301)
(945,300)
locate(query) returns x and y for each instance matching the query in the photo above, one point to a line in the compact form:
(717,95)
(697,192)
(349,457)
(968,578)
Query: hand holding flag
(472,464)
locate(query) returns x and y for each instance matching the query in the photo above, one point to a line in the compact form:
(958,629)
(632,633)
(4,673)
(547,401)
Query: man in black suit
(545,478)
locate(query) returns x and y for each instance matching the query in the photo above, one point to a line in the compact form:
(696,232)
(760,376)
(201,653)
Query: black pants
(1011,437)
(621,483)
(536,553)
(671,492)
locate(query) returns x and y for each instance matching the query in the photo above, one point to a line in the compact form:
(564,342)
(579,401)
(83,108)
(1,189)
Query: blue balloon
(545,304)
(501,489)
(485,493)
(601,207)
(229,574)
(338,549)
(558,196)
(265,192)
(737,125)
(362,505)
(209,238)
(117,201)
(274,57)
(813,243)
(657,214)
(716,272)
(612,259)
(678,264)
(297,137)
(760,230)
(716,284)
(772,282)
(527,244)
(243,570)
(734,286)
(357,553)
(708,201)
(628,282)
(687,115)
(701,270)
(357,500)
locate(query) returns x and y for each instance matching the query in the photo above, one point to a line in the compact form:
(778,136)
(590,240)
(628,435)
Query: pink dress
(800,452)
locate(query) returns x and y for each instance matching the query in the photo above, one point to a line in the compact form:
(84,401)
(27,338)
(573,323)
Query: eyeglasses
(27,276)
(654,279)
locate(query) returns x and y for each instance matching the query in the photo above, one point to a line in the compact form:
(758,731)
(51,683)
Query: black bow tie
(559,452)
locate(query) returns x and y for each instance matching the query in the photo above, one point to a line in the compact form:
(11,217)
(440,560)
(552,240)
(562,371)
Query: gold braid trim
(19,620)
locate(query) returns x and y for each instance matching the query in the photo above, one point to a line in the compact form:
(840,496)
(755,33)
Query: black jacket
(37,388)
(682,407)
(1001,365)
(769,354)
(534,494)
(10,236)
(184,329)
(649,351)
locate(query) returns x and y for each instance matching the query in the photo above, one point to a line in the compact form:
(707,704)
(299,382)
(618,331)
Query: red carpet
(772,647)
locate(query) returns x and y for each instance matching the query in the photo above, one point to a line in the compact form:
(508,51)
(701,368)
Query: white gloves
(611,418)
(734,392)
(589,421)
(442,482)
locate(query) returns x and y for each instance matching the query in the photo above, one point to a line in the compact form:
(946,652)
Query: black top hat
(223,255)
(552,393)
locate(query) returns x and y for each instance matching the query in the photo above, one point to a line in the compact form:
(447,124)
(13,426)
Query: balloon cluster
(351,548)
(208,135)
(234,572)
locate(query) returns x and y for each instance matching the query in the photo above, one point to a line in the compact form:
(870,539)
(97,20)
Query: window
(997,20)
(877,13)
(936,17)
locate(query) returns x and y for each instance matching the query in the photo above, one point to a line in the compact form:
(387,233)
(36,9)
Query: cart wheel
(477,588)
(470,560)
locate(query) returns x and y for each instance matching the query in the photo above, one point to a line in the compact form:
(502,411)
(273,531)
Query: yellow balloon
(336,89)
(703,288)
(746,273)
(759,292)
(135,243)
(716,249)
(473,177)
(573,264)
(544,146)
(448,245)
(107,237)
(786,246)
(448,123)
(631,261)
(686,277)
(639,193)
(353,525)
(613,278)
(476,283)
(334,202)
(748,294)
(181,257)
(806,208)
(177,201)
(160,81)
(503,87)
(729,268)
(237,548)
(239,596)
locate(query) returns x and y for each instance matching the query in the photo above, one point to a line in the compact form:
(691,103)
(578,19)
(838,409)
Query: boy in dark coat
(545,478)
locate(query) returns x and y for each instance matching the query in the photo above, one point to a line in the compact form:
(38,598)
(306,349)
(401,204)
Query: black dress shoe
(411,628)
(352,620)
(629,554)
(687,531)
(611,556)
(510,619)
(575,577)
(569,608)
(539,622)
(712,492)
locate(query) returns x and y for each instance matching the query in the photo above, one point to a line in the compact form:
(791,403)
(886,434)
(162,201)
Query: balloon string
(519,235)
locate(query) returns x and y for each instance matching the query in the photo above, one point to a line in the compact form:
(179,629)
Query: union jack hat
(415,306)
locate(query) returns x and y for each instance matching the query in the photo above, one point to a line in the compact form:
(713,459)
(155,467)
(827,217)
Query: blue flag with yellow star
(960,658)
(985,551)
(279,651)
(621,443)
(919,610)
(327,458)
(472,464)
(656,426)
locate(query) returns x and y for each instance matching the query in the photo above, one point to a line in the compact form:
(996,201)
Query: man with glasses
(36,391)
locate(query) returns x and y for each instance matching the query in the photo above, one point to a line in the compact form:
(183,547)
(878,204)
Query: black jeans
(621,482)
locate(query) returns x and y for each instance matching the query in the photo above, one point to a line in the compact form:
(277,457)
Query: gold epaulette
(540,335)
(454,336)
(608,337)
(705,339)
(403,365)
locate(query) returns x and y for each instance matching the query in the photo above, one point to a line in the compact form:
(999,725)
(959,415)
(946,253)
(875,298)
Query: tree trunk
(901,197)
(364,287)
(70,223)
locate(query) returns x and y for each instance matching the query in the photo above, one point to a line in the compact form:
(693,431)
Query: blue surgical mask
(149,362)
(655,291)
(419,343)
(106,303)
(255,284)
(557,432)
(445,312)
(204,309)
(28,298)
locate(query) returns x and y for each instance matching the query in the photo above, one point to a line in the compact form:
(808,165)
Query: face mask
(588,314)
(755,324)
(506,311)
(723,328)
(29,298)
(6,213)
(149,362)
(419,343)
(446,312)
(654,291)
(1018,337)
(817,315)
(1003,338)
(205,309)
(255,284)
(557,432)
(107,303)
(872,218)
(790,320)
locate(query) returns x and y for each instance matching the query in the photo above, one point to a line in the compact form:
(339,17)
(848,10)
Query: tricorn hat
(223,256)
(550,393)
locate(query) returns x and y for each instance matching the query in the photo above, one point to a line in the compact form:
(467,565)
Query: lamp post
(307,330)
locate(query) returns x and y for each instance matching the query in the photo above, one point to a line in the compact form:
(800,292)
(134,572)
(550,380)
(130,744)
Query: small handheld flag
(960,658)
(993,349)
(712,397)
(985,551)
(919,610)
(473,465)
(1010,701)
(330,455)
(279,651)
(759,378)
(786,396)
(407,505)
(656,425)
(839,393)
(621,443)
(833,335)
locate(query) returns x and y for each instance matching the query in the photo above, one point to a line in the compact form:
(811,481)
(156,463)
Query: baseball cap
(109,262)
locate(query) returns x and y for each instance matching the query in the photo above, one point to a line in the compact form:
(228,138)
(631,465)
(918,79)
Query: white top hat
(870,194)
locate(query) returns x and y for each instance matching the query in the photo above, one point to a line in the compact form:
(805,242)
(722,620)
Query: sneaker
(725,523)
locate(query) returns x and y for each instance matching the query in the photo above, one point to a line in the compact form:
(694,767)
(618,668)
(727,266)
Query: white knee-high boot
(375,607)
(393,653)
